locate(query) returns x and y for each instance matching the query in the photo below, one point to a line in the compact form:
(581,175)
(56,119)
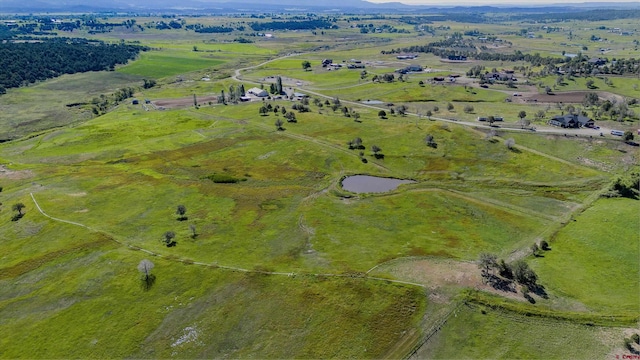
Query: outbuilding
(258,92)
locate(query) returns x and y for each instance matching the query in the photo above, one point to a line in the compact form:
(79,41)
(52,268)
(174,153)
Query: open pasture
(44,105)
(273,258)
(480,332)
(189,311)
(594,258)
(161,64)
(162,159)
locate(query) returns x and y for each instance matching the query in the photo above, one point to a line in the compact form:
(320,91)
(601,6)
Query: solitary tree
(145,267)
(169,238)
(278,124)
(544,245)
(18,207)
(628,136)
(491,119)
(468,109)
(382,114)
(491,134)
(450,106)
(181,211)
(148,278)
(589,83)
(522,114)
(192,228)
(535,249)
(429,114)
(510,143)
(279,85)
(523,123)
(376,151)
(357,143)
(306,65)
(430,142)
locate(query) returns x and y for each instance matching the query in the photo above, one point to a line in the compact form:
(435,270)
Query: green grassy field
(160,64)
(594,258)
(475,332)
(277,267)
(190,311)
(42,106)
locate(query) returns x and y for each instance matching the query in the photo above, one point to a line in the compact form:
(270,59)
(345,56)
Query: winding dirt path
(215,265)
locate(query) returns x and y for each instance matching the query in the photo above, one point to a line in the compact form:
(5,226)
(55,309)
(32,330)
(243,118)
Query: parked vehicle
(617,132)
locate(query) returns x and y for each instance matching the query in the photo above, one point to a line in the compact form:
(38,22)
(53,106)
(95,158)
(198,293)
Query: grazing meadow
(257,249)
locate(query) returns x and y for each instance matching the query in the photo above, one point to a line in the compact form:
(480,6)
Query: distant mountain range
(198,6)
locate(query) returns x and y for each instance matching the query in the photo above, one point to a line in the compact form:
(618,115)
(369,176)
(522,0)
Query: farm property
(189,203)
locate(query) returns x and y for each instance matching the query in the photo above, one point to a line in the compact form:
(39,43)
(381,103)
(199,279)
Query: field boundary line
(433,330)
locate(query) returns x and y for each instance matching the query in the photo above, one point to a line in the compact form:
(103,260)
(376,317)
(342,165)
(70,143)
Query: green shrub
(544,245)
(224,179)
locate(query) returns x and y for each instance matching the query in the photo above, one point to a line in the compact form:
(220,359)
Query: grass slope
(479,333)
(595,258)
(190,311)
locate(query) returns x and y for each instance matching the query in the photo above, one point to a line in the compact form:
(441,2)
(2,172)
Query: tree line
(589,15)
(25,63)
(292,25)
(457,46)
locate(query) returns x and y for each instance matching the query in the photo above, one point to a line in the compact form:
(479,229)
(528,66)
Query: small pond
(371,184)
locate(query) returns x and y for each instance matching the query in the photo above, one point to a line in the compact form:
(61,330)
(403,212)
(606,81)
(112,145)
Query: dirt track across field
(567,97)
(184,102)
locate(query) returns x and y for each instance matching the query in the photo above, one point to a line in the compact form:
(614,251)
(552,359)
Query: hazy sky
(494,2)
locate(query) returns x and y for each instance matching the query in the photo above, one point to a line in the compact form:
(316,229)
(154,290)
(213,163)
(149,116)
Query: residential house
(598,61)
(411,68)
(500,76)
(457,58)
(571,121)
(406,57)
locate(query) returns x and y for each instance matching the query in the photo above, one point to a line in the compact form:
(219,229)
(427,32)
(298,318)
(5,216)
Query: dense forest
(456,46)
(211,29)
(590,15)
(27,62)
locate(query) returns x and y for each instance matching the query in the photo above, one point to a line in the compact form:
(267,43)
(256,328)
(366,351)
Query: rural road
(585,132)
(237,72)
